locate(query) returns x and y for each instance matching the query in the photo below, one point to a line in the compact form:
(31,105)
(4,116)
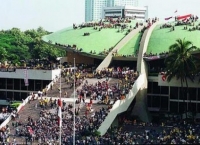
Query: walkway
(107,60)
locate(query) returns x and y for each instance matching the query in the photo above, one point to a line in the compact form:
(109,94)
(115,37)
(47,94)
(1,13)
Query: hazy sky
(54,15)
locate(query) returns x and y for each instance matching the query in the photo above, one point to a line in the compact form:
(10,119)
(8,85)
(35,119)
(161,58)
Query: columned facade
(15,89)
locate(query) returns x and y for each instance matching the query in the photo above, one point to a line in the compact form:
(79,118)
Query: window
(182,107)
(164,90)
(17,96)
(24,95)
(156,88)
(38,85)
(198,95)
(150,90)
(23,87)
(192,107)
(3,94)
(192,93)
(174,107)
(198,107)
(182,95)
(10,95)
(164,103)
(149,101)
(10,84)
(31,85)
(17,84)
(156,101)
(2,83)
(173,92)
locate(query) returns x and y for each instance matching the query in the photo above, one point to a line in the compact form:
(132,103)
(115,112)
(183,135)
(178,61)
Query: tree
(3,54)
(180,63)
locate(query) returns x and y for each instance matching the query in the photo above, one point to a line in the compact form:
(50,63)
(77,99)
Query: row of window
(174,92)
(163,103)
(19,84)
(14,95)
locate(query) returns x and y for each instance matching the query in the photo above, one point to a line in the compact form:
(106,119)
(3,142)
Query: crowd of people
(46,128)
(164,54)
(117,23)
(189,23)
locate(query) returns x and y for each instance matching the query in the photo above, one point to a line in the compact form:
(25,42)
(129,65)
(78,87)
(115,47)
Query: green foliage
(97,133)
(180,63)
(16,45)
(15,105)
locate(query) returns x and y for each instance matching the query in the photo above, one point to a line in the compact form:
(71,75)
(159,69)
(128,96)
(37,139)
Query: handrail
(121,105)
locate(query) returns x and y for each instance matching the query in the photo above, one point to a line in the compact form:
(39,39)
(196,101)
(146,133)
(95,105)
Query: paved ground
(30,110)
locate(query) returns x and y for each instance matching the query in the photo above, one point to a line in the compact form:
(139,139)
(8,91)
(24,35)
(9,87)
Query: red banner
(183,17)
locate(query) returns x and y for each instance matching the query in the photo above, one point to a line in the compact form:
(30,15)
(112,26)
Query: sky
(54,15)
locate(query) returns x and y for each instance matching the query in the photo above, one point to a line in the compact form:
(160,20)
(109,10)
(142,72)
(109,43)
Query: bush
(97,133)
(15,105)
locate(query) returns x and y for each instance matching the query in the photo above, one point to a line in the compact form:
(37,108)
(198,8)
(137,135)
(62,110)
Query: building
(13,85)
(111,3)
(159,95)
(140,13)
(94,8)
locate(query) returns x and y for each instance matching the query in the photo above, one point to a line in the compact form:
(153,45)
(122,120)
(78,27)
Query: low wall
(18,109)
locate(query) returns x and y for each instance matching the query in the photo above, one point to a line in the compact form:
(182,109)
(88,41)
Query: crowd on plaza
(46,129)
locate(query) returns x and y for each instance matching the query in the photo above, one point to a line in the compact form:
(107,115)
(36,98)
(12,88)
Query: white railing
(3,124)
(121,105)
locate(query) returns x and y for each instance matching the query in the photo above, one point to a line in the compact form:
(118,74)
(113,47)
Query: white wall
(32,74)
(177,83)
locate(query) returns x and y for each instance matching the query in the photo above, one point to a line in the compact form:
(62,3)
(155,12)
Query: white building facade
(94,8)
(140,13)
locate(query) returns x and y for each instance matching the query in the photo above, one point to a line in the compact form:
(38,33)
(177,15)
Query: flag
(168,18)
(59,113)
(26,77)
(176,11)
(183,17)
(30,130)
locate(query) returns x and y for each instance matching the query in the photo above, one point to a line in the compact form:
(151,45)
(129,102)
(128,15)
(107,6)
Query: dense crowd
(46,128)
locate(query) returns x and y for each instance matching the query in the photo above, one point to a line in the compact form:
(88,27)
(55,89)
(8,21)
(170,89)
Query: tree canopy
(180,63)
(16,45)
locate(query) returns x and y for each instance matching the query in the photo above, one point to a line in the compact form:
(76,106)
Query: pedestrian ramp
(121,105)
(108,59)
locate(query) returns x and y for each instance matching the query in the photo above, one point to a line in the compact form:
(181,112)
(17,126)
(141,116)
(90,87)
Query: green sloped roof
(161,39)
(97,40)
(132,46)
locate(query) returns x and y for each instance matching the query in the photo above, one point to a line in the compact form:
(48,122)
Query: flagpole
(74,101)
(60,123)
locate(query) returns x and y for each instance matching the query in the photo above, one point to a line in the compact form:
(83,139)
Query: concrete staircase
(121,105)
(107,60)
(140,108)
(64,87)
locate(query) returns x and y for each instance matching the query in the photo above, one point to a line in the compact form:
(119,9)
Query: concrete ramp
(108,59)
(121,105)
(140,108)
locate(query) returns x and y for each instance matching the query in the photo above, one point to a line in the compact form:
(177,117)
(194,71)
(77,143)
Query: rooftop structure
(96,38)
(127,11)
(163,36)
(94,8)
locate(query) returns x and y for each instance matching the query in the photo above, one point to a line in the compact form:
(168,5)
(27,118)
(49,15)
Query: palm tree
(180,63)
